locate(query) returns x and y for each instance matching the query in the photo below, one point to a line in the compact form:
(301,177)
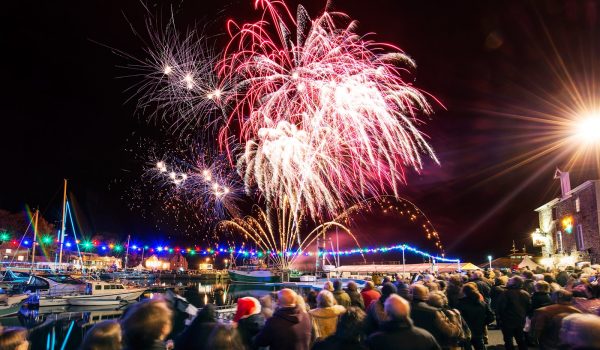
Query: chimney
(565,182)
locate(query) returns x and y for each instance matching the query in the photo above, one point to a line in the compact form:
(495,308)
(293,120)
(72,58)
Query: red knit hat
(246,307)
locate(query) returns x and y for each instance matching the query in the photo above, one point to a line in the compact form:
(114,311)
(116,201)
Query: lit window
(20,258)
(577,205)
(580,243)
(8,251)
(559,241)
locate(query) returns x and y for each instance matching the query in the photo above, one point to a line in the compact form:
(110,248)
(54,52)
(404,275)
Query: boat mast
(35,226)
(62,230)
(127,251)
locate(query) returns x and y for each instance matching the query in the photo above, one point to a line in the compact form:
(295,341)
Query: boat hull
(111,299)
(256,276)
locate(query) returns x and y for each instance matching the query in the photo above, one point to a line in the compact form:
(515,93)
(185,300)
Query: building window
(8,251)
(577,205)
(20,258)
(579,238)
(554,213)
(559,242)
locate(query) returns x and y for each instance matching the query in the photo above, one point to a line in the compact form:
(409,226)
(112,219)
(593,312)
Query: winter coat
(375,317)
(195,335)
(288,329)
(402,335)
(369,296)
(356,299)
(249,327)
(546,324)
(342,298)
(538,300)
(433,320)
(513,306)
(473,312)
(335,342)
(325,319)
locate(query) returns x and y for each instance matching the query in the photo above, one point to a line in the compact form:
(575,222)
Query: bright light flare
(587,129)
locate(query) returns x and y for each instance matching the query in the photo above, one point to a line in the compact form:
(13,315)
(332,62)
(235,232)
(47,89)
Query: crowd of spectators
(553,310)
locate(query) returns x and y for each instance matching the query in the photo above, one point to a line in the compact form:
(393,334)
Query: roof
(396,268)
(579,188)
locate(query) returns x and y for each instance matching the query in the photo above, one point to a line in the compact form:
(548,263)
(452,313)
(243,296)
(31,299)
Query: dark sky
(65,115)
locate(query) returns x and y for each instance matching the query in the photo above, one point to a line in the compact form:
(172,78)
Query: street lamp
(490,261)
(226,261)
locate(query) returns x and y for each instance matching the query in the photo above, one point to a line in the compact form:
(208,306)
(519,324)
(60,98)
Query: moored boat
(105,293)
(10,304)
(252,274)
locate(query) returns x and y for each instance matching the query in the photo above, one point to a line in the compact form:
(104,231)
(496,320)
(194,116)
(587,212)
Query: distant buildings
(569,226)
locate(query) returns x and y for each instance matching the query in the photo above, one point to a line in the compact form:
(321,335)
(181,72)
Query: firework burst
(178,82)
(326,118)
(209,186)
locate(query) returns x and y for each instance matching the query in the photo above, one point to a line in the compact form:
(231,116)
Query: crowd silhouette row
(554,310)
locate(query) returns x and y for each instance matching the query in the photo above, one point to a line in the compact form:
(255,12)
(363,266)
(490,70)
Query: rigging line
(75,237)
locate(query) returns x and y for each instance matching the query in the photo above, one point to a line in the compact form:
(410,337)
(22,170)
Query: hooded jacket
(288,329)
(325,320)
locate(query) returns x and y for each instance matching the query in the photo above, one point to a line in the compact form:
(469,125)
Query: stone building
(569,226)
(178,262)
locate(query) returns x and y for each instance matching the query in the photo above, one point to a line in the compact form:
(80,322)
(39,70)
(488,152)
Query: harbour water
(53,327)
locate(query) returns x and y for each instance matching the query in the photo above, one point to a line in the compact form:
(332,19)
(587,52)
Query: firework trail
(278,232)
(325,118)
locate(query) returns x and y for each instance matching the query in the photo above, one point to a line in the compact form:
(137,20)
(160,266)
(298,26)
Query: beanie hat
(246,307)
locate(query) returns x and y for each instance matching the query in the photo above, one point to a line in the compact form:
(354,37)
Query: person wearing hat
(249,319)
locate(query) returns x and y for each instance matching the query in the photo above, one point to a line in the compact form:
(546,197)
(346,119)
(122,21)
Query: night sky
(65,112)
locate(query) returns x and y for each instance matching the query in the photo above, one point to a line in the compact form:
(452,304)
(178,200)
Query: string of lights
(88,246)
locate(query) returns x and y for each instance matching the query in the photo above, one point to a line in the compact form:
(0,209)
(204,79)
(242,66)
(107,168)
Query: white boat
(10,304)
(105,293)
(50,290)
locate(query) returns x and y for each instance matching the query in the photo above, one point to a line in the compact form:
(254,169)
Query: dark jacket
(495,294)
(538,300)
(337,343)
(288,329)
(375,317)
(342,298)
(453,294)
(433,320)
(249,327)
(513,306)
(528,286)
(402,335)
(484,288)
(473,312)
(195,335)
